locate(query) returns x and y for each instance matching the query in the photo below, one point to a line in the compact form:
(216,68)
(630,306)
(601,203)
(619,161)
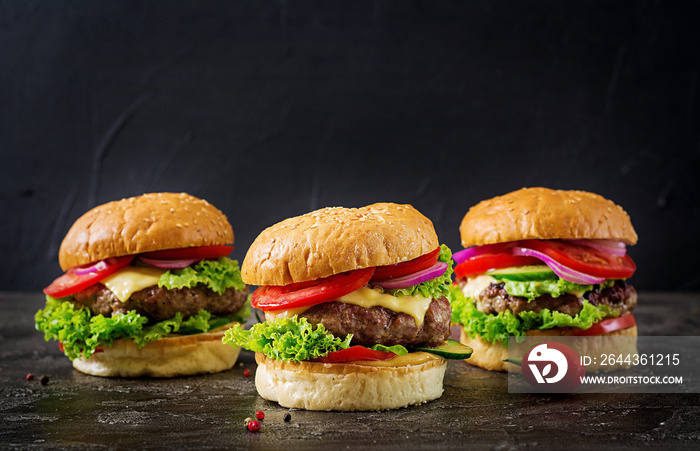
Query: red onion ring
(95,267)
(170,264)
(470,252)
(562,271)
(613,247)
(410,280)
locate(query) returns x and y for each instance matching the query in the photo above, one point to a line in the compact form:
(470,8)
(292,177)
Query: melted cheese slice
(281,314)
(475,286)
(131,279)
(412,358)
(416,306)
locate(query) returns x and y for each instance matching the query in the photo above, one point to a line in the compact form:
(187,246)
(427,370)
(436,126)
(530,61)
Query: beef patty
(379,325)
(158,303)
(495,299)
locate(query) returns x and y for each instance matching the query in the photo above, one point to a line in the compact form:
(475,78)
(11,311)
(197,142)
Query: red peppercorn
(246,372)
(260,415)
(30,377)
(253,426)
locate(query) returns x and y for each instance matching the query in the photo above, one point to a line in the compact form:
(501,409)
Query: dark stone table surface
(76,411)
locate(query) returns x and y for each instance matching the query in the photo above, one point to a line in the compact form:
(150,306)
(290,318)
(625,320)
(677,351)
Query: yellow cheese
(130,280)
(281,314)
(416,306)
(577,293)
(475,286)
(412,358)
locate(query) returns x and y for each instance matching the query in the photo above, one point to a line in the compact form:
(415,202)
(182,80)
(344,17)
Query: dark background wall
(273,108)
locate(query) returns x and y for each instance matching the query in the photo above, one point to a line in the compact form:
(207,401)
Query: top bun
(335,240)
(151,222)
(546,214)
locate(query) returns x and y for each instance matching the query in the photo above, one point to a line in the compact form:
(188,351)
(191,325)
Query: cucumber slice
(450,349)
(523,273)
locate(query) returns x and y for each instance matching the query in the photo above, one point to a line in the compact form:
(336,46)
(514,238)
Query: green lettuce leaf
(396,349)
(553,286)
(218,275)
(434,288)
(289,339)
(497,328)
(80,332)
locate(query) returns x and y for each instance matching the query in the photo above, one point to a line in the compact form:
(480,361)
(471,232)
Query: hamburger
(148,289)
(542,262)
(356,314)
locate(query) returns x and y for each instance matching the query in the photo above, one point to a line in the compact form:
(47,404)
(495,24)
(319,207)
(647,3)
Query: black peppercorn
(44,380)
(287,417)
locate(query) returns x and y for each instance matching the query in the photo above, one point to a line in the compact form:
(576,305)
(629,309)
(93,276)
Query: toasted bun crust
(181,355)
(546,214)
(491,356)
(348,387)
(146,223)
(335,240)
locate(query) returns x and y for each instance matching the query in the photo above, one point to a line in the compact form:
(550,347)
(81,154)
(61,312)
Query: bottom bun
(175,355)
(350,386)
(491,356)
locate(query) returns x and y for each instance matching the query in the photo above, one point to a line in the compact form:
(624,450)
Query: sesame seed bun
(335,240)
(545,214)
(146,223)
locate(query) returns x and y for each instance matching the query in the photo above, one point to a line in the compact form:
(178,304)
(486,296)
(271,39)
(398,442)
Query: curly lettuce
(555,287)
(294,339)
(497,328)
(434,288)
(81,333)
(218,275)
(289,339)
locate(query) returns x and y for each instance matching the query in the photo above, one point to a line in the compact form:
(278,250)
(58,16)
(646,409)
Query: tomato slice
(70,282)
(406,268)
(355,353)
(584,259)
(608,325)
(306,294)
(484,262)
(202,252)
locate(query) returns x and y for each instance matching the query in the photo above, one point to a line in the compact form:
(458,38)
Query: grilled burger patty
(379,325)
(158,303)
(495,299)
